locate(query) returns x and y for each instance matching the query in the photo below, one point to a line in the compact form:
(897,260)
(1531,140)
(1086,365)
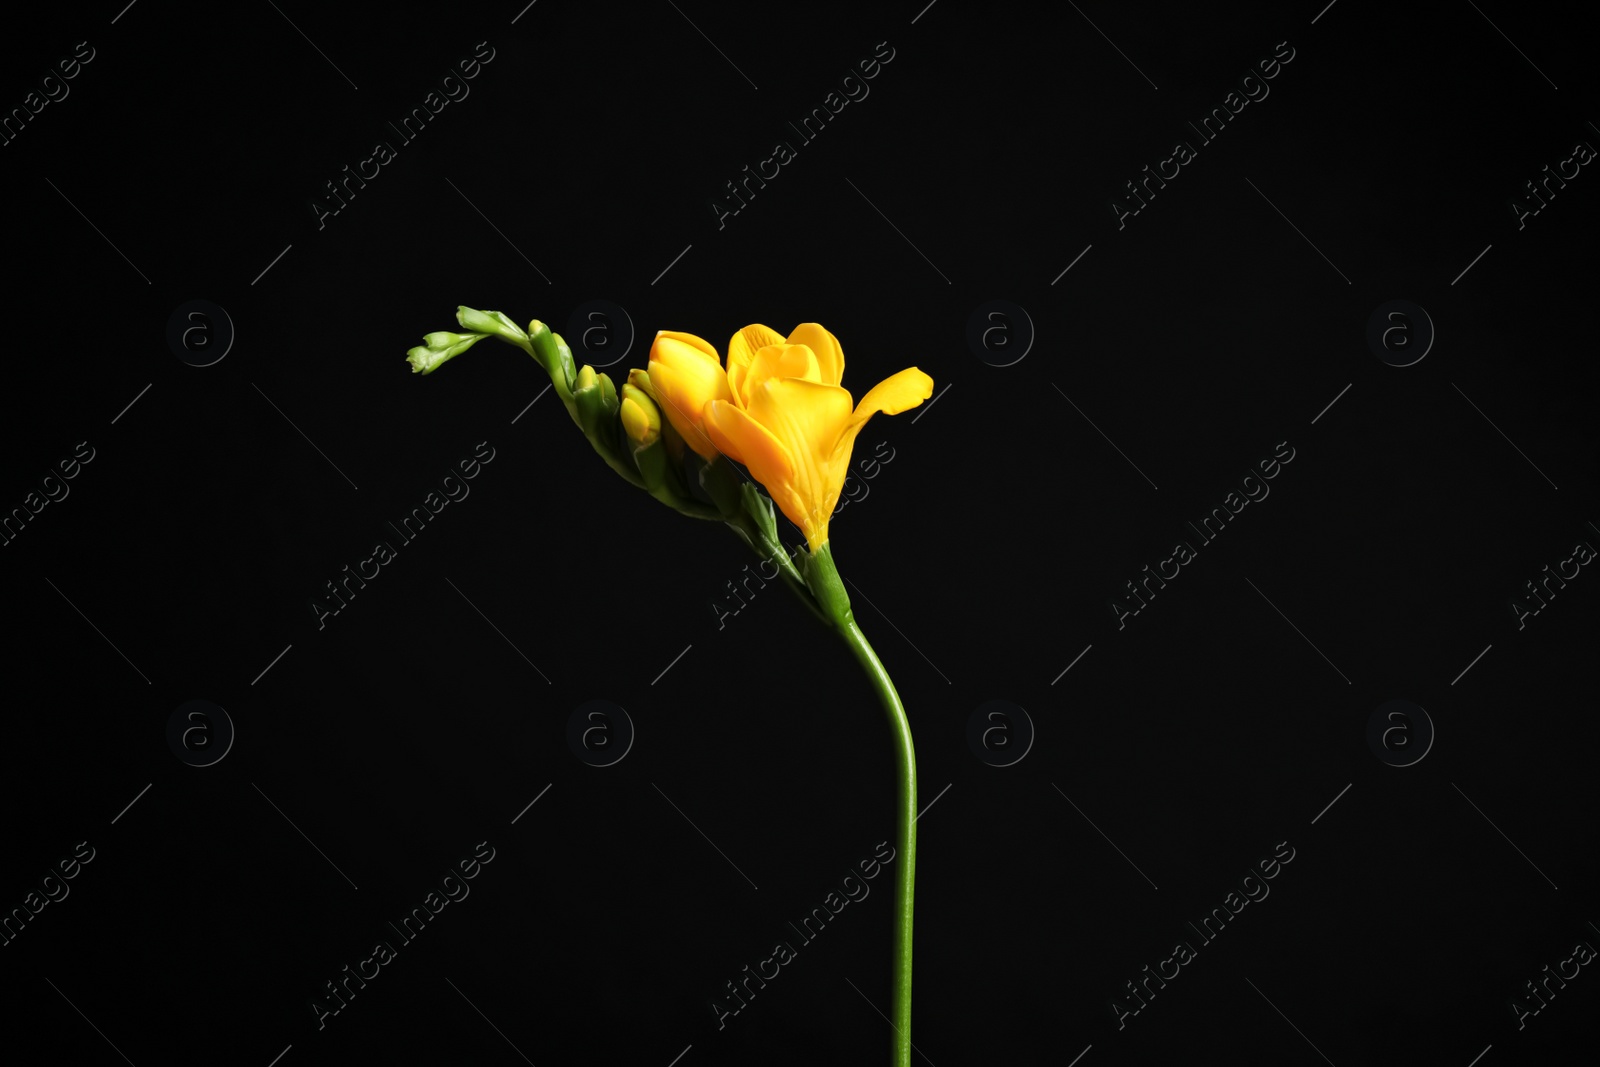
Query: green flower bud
(553,355)
(641,419)
(439,347)
(648,439)
(596,406)
(492,322)
(640,380)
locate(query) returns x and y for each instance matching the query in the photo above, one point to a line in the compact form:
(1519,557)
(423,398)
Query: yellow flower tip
(676,338)
(686,375)
(639,378)
(644,408)
(830,356)
(587,379)
(637,422)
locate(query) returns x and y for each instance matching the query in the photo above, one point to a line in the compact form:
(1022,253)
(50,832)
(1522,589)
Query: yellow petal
(776,361)
(742,349)
(896,393)
(740,436)
(899,392)
(692,341)
(808,418)
(830,357)
(679,353)
(684,386)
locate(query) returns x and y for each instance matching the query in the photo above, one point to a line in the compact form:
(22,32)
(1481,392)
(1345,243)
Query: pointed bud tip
(643,408)
(636,422)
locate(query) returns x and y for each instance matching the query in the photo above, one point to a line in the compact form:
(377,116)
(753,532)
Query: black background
(424,717)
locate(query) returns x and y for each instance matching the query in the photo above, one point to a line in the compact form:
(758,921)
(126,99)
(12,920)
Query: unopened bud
(641,419)
(639,378)
(552,354)
(438,347)
(494,322)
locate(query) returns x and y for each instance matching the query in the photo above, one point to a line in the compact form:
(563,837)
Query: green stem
(823,578)
(762,545)
(906,832)
(791,577)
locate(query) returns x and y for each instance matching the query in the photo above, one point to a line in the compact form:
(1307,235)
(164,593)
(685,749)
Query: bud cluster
(625,426)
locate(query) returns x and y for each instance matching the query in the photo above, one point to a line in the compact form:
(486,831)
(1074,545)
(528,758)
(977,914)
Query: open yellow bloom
(779,409)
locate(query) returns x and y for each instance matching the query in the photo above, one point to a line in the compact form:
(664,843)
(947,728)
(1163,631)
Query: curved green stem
(826,586)
(906,835)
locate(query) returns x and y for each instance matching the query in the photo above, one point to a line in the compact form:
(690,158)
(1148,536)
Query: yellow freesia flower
(779,409)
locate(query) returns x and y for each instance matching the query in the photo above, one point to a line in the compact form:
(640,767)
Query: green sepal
(758,506)
(724,485)
(603,429)
(690,468)
(564,354)
(827,588)
(608,393)
(656,469)
(756,523)
(554,356)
